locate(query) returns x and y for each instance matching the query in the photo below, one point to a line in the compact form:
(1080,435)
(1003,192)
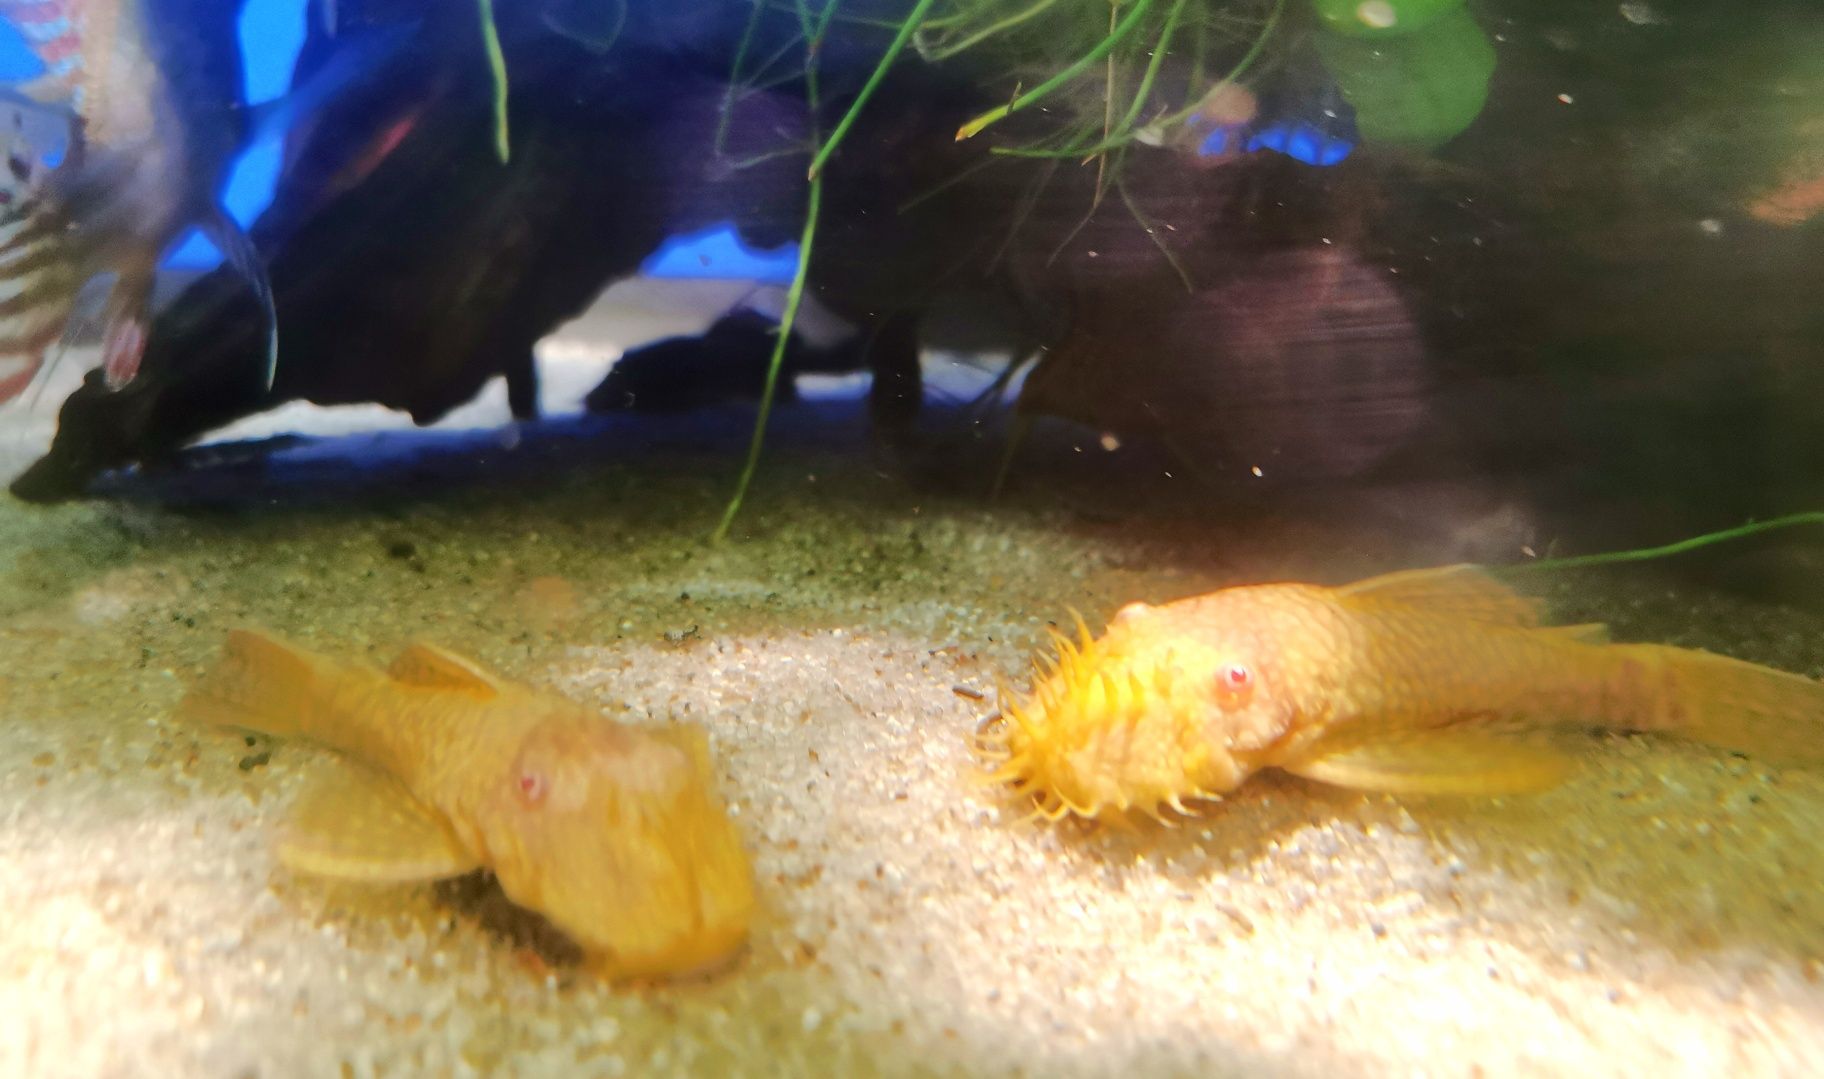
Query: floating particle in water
(1640,13)
(1376,13)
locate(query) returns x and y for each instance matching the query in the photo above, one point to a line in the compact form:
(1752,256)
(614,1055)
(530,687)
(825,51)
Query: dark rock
(726,362)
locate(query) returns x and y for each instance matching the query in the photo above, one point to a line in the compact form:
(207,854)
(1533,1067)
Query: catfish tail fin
(260,684)
(1773,715)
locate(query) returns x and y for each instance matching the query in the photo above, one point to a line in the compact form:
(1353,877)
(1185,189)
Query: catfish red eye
(531,787)
(1235,681)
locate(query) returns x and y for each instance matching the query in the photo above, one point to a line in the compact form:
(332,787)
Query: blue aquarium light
(717,252)
(1304,142)
(1318,130)
(17,60)
(271,33)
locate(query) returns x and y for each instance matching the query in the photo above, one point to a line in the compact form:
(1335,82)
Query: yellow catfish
(1427,681)
(614,834)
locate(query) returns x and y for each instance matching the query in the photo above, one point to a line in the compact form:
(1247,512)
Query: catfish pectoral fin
(354,823)
(1435,762)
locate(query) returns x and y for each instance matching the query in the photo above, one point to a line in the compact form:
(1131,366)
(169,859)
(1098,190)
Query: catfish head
(618,837)
(1174,704)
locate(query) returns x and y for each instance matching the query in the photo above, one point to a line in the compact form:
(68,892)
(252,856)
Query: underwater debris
(615,835)
(1434,681)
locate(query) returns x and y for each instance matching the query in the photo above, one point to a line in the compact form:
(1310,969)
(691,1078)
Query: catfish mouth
(696,955)
(545,945)
(1046,747)
(1108,731)
(651,939)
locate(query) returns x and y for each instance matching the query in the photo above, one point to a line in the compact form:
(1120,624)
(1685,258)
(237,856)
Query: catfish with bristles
(1437,681)
(615,834)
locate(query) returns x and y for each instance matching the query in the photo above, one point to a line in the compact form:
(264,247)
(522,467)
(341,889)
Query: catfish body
(1427,681)
(614,834)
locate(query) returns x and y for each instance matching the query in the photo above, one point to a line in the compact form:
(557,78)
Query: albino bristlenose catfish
(614,834)
(1433,681)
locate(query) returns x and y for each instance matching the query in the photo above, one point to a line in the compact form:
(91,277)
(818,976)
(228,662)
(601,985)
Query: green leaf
(1419,90)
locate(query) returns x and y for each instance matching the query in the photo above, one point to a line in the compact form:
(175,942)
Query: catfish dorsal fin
(433,668)
(1463,590)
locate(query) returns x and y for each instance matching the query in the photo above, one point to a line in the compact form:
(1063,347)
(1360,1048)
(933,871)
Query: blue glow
(1273,138)
(717,252)
(271,33)
(1303,142)
(1316,141)
(17,60)
(246,196)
